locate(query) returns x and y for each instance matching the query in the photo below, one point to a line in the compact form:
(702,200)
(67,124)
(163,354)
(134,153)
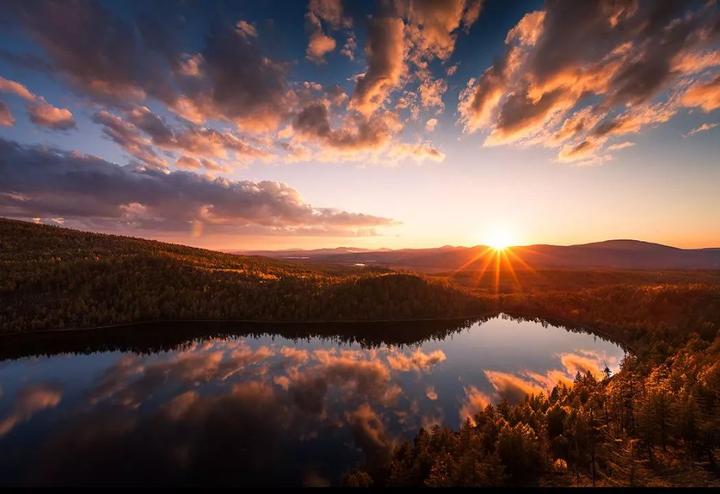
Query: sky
(251,125)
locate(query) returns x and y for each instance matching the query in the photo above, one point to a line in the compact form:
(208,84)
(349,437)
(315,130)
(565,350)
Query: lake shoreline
(246,321)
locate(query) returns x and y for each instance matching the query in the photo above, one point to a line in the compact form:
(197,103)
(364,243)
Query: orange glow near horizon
(499,239)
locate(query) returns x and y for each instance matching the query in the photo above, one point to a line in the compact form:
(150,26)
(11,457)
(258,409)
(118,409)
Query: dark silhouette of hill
(609,254)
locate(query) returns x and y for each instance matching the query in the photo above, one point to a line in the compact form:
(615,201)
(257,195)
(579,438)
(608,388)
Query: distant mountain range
(610,254)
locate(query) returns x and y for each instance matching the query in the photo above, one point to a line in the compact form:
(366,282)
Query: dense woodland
(656,422)
(55,278)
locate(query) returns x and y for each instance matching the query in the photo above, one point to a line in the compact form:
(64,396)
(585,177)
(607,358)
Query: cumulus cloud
(371,137)
(385,53)
(319,45)
(41,112)
(418,361)
(238,84)
(37,181)
(632,57)
(124,63)
(475,402)
(432,26)
(431,93)
(128,65)
(329,12)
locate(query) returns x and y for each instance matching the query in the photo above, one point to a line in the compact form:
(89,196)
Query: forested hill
(52,278)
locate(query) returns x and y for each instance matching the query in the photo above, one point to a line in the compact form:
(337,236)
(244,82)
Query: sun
(499,239)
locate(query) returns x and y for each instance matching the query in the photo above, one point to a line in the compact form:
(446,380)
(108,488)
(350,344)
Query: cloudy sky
(407,123)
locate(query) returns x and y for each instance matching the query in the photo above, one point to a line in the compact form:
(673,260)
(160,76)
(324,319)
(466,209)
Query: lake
(257,405)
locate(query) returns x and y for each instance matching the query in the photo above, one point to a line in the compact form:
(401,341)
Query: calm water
(244,409)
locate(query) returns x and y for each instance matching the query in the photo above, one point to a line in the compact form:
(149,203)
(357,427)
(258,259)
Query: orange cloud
(574,363)
(511,387)
(385,52)
(417,361)
(703,94)
(475,402)
(624,54)
(46,115)
(432,25)
(319,45)
(41,112)
(29,401)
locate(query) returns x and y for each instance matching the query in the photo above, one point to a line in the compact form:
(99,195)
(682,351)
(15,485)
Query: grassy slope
(55,278)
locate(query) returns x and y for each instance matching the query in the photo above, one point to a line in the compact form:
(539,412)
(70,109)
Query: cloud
(319,46)
(417,361)
(385,53)
(238,84)
(99,53)
(511,387)
(359,132)
(46,115)
(6,117)
(41,112)
(431,93)
(13,87)
(246,29)
(129,137)
(29,401)
(432,26)
(368,138)
(140,131)
(348,49)
(37,181)
(703,94)
(123,63)
(369,432)
(574,363)
(331,13)
(431,393)
(475,402)
(569,69)
(620,145)
(431,124)
(701,128)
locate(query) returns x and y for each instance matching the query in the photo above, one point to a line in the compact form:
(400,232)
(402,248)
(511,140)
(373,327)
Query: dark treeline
(55,278)
(174,336)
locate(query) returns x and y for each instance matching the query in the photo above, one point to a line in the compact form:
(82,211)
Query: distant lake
(258,406)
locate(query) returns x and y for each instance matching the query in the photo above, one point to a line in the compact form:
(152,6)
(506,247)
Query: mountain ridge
(608,254)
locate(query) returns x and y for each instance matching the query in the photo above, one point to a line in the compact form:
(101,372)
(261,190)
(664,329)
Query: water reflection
(266,409)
